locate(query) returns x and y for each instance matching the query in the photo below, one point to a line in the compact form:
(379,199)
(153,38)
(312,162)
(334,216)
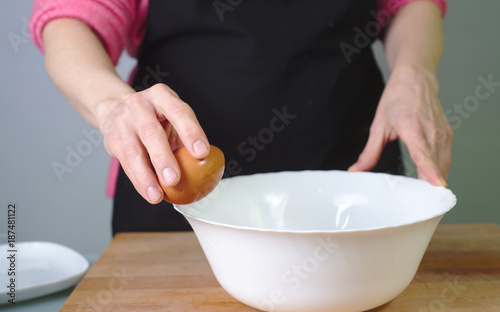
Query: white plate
(41,268)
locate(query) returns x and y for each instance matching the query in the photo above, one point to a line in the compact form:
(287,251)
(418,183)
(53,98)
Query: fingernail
(443,183)
(351,168)
(200,147)
(169,176)
(154,193)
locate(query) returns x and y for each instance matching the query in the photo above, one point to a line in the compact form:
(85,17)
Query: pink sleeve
(119,23)
(393,6)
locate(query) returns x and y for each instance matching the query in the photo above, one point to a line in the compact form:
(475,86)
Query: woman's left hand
(410,109)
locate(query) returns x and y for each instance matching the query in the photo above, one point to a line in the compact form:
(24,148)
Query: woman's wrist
(106,108)
(416,74)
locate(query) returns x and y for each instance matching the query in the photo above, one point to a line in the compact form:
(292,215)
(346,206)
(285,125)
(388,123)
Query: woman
(276,85)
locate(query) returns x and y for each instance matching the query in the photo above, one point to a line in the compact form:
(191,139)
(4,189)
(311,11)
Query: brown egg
(198,177)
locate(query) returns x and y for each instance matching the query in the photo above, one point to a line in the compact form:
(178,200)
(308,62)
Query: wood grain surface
(169,272)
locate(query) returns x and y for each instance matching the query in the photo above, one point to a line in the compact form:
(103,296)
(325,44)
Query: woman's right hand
(147,126)
(137,126)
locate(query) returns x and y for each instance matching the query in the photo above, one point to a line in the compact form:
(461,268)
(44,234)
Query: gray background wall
(38,128)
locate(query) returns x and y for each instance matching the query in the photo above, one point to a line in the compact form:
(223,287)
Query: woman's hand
(410,109)
(139,128)
(147,126)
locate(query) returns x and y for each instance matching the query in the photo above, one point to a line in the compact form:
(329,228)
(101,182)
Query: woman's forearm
(409,108)
(415,37)
(79,66)
(138,128)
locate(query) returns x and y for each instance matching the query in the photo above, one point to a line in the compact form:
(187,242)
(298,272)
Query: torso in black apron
(277,85)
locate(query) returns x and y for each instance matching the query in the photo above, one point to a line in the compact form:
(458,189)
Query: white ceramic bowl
(317,240)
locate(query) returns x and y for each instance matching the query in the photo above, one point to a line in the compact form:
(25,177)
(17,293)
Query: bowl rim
(452,200)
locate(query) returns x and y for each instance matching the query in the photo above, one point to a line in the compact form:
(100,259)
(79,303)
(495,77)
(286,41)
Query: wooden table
(169,272)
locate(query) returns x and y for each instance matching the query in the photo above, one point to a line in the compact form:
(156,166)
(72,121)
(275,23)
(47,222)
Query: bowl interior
(320,201)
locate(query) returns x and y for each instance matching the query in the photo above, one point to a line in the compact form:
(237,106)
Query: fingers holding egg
(197,177)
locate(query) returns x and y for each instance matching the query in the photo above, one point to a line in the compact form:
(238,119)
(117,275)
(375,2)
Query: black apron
(276,85)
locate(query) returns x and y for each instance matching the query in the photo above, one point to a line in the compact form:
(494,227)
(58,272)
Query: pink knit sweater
(121,25)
